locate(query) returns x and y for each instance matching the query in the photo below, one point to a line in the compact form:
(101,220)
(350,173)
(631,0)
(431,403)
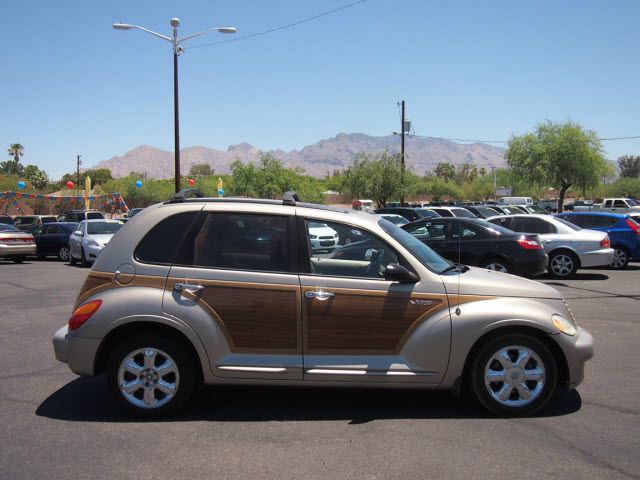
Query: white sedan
(569,247)
(88,240)
(323,237)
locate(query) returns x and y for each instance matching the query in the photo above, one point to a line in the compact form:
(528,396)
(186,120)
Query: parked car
(533,208)
(6,220)
(15,244)
(453,212)
(52,239)
(623,232)
(410,213)
(579,206)
(635,217)
(91,236)
(79,215)
(503,210)
(613,205)
(549,205)
(27,222)
(393,218)
(568,246)
(173,303)
(472,241)
(515,201)
(482,211)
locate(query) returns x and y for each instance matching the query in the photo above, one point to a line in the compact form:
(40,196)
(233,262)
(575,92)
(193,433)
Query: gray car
(230,291)
(88,240)
(569,247)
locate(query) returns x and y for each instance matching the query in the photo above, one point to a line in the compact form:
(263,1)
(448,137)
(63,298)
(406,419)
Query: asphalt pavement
(56,425)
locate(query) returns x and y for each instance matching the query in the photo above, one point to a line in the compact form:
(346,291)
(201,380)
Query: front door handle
(319,295)
(188,287)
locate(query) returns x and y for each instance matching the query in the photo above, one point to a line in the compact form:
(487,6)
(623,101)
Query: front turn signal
(83,313)
(564,325)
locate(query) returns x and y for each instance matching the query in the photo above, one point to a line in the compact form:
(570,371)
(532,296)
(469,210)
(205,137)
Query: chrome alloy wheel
(148,378)
(561,265)
(64,253)
(619,258)
(514,376)
(497,267)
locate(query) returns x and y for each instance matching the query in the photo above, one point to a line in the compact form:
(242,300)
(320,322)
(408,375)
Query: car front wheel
(514,375)
(63,253)
(151,375)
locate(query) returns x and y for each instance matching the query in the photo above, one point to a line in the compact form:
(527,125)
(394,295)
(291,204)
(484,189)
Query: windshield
(92,215)
(419,250)
(536,209)
(397,219)
(632,203)
(24,220)
(103,228)
(8,228)
(568,224)
(463,213)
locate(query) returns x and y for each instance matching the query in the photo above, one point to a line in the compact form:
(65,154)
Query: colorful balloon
(21,185)
(69,185)
(192,182)
(139,184)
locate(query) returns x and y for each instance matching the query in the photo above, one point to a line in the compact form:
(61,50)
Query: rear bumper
(10,250)
(532,267)
(596,258)
(78,353)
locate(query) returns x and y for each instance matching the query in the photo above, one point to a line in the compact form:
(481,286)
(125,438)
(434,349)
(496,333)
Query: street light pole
(177,50)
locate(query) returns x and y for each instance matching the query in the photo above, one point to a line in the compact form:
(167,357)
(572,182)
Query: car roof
(599,214)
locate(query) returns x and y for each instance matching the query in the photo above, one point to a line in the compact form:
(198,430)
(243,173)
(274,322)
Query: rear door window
(620,204)
(533,225)
(161,244)
(428,231)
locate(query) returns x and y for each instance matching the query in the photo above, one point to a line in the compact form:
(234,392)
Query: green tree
(445,171)
(629,166)
(16,151)
(558,155)
(375,177)
(37,177)
(201,170)
(11,167)
(624,187)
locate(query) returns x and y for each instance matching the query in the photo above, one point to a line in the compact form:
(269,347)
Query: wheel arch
(566,249)
(143,326)
(461,384)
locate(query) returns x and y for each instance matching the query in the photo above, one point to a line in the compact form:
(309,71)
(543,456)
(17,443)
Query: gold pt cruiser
(230,291)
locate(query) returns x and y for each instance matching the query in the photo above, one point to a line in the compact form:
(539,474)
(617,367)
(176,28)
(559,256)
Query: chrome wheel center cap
(514,376)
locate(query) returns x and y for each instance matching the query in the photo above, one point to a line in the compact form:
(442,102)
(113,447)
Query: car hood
(102,239)
(479,281)
(322,231)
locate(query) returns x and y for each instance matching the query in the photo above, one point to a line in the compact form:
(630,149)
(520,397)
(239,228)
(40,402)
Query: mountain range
(422,155)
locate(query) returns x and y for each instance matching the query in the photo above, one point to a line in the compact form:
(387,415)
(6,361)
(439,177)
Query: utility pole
(78,163)
(177,50)
(402,132)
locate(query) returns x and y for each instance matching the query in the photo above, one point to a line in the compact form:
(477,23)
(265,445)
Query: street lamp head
(122,26)
(175,22)
(227,30)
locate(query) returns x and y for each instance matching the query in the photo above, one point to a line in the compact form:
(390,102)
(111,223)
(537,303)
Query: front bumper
(91,252)
(577,349)
(596,258)
(11,250)
(78,353)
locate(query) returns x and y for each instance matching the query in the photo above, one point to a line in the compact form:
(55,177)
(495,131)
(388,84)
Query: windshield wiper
(458,267)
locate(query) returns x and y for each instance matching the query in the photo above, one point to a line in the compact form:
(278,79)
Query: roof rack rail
(182,195)
(290,198)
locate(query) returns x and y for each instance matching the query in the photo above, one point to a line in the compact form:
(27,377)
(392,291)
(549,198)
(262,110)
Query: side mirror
(397,273)
(78,233)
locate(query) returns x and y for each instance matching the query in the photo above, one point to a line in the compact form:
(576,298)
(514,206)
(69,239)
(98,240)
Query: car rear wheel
(151,375)
(514,375)
(18,258)
(620,258)
(497,264)
(63,253)
(562,264)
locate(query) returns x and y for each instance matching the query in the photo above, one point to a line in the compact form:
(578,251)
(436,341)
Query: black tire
(18,258)
(41,257)
(62,255)
(508,268)
(83,259)
(558,255)
(72,259)
(620,253)
(188,378)
(484,355)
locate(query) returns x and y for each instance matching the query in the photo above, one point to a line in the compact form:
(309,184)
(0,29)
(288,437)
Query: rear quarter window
(162,243)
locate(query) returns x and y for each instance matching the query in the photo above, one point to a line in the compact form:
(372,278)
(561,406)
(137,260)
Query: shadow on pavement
(578,276)
(86,400)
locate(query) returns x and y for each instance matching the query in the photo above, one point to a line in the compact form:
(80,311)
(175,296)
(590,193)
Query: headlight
(92,243)
(563,325)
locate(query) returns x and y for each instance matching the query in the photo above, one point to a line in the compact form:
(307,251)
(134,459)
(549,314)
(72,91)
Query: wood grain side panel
(363,322)
(93,282)
(257,318)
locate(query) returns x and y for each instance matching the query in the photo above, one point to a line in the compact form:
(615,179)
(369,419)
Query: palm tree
(16,151)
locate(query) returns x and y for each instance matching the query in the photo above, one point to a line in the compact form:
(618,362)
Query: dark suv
(79,215)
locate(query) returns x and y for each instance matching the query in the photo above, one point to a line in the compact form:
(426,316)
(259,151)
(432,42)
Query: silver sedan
(91,236)
(569,247)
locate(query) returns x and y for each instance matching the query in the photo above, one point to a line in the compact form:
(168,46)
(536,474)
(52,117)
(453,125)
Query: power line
(506,141)
(282,27)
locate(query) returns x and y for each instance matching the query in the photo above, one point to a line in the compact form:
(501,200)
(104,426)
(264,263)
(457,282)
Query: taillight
(83,313)
(634,226)
(529,243)
(605,242)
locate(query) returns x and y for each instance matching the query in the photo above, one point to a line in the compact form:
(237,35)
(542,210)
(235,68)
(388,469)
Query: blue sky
(467,69)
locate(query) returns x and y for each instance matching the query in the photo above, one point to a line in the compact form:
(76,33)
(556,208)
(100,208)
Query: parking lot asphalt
(56,425)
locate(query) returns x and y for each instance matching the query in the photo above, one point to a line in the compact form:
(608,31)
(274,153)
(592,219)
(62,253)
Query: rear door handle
(319,295)
(188,287)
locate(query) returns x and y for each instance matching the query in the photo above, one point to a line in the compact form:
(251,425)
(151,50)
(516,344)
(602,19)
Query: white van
(515,201)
